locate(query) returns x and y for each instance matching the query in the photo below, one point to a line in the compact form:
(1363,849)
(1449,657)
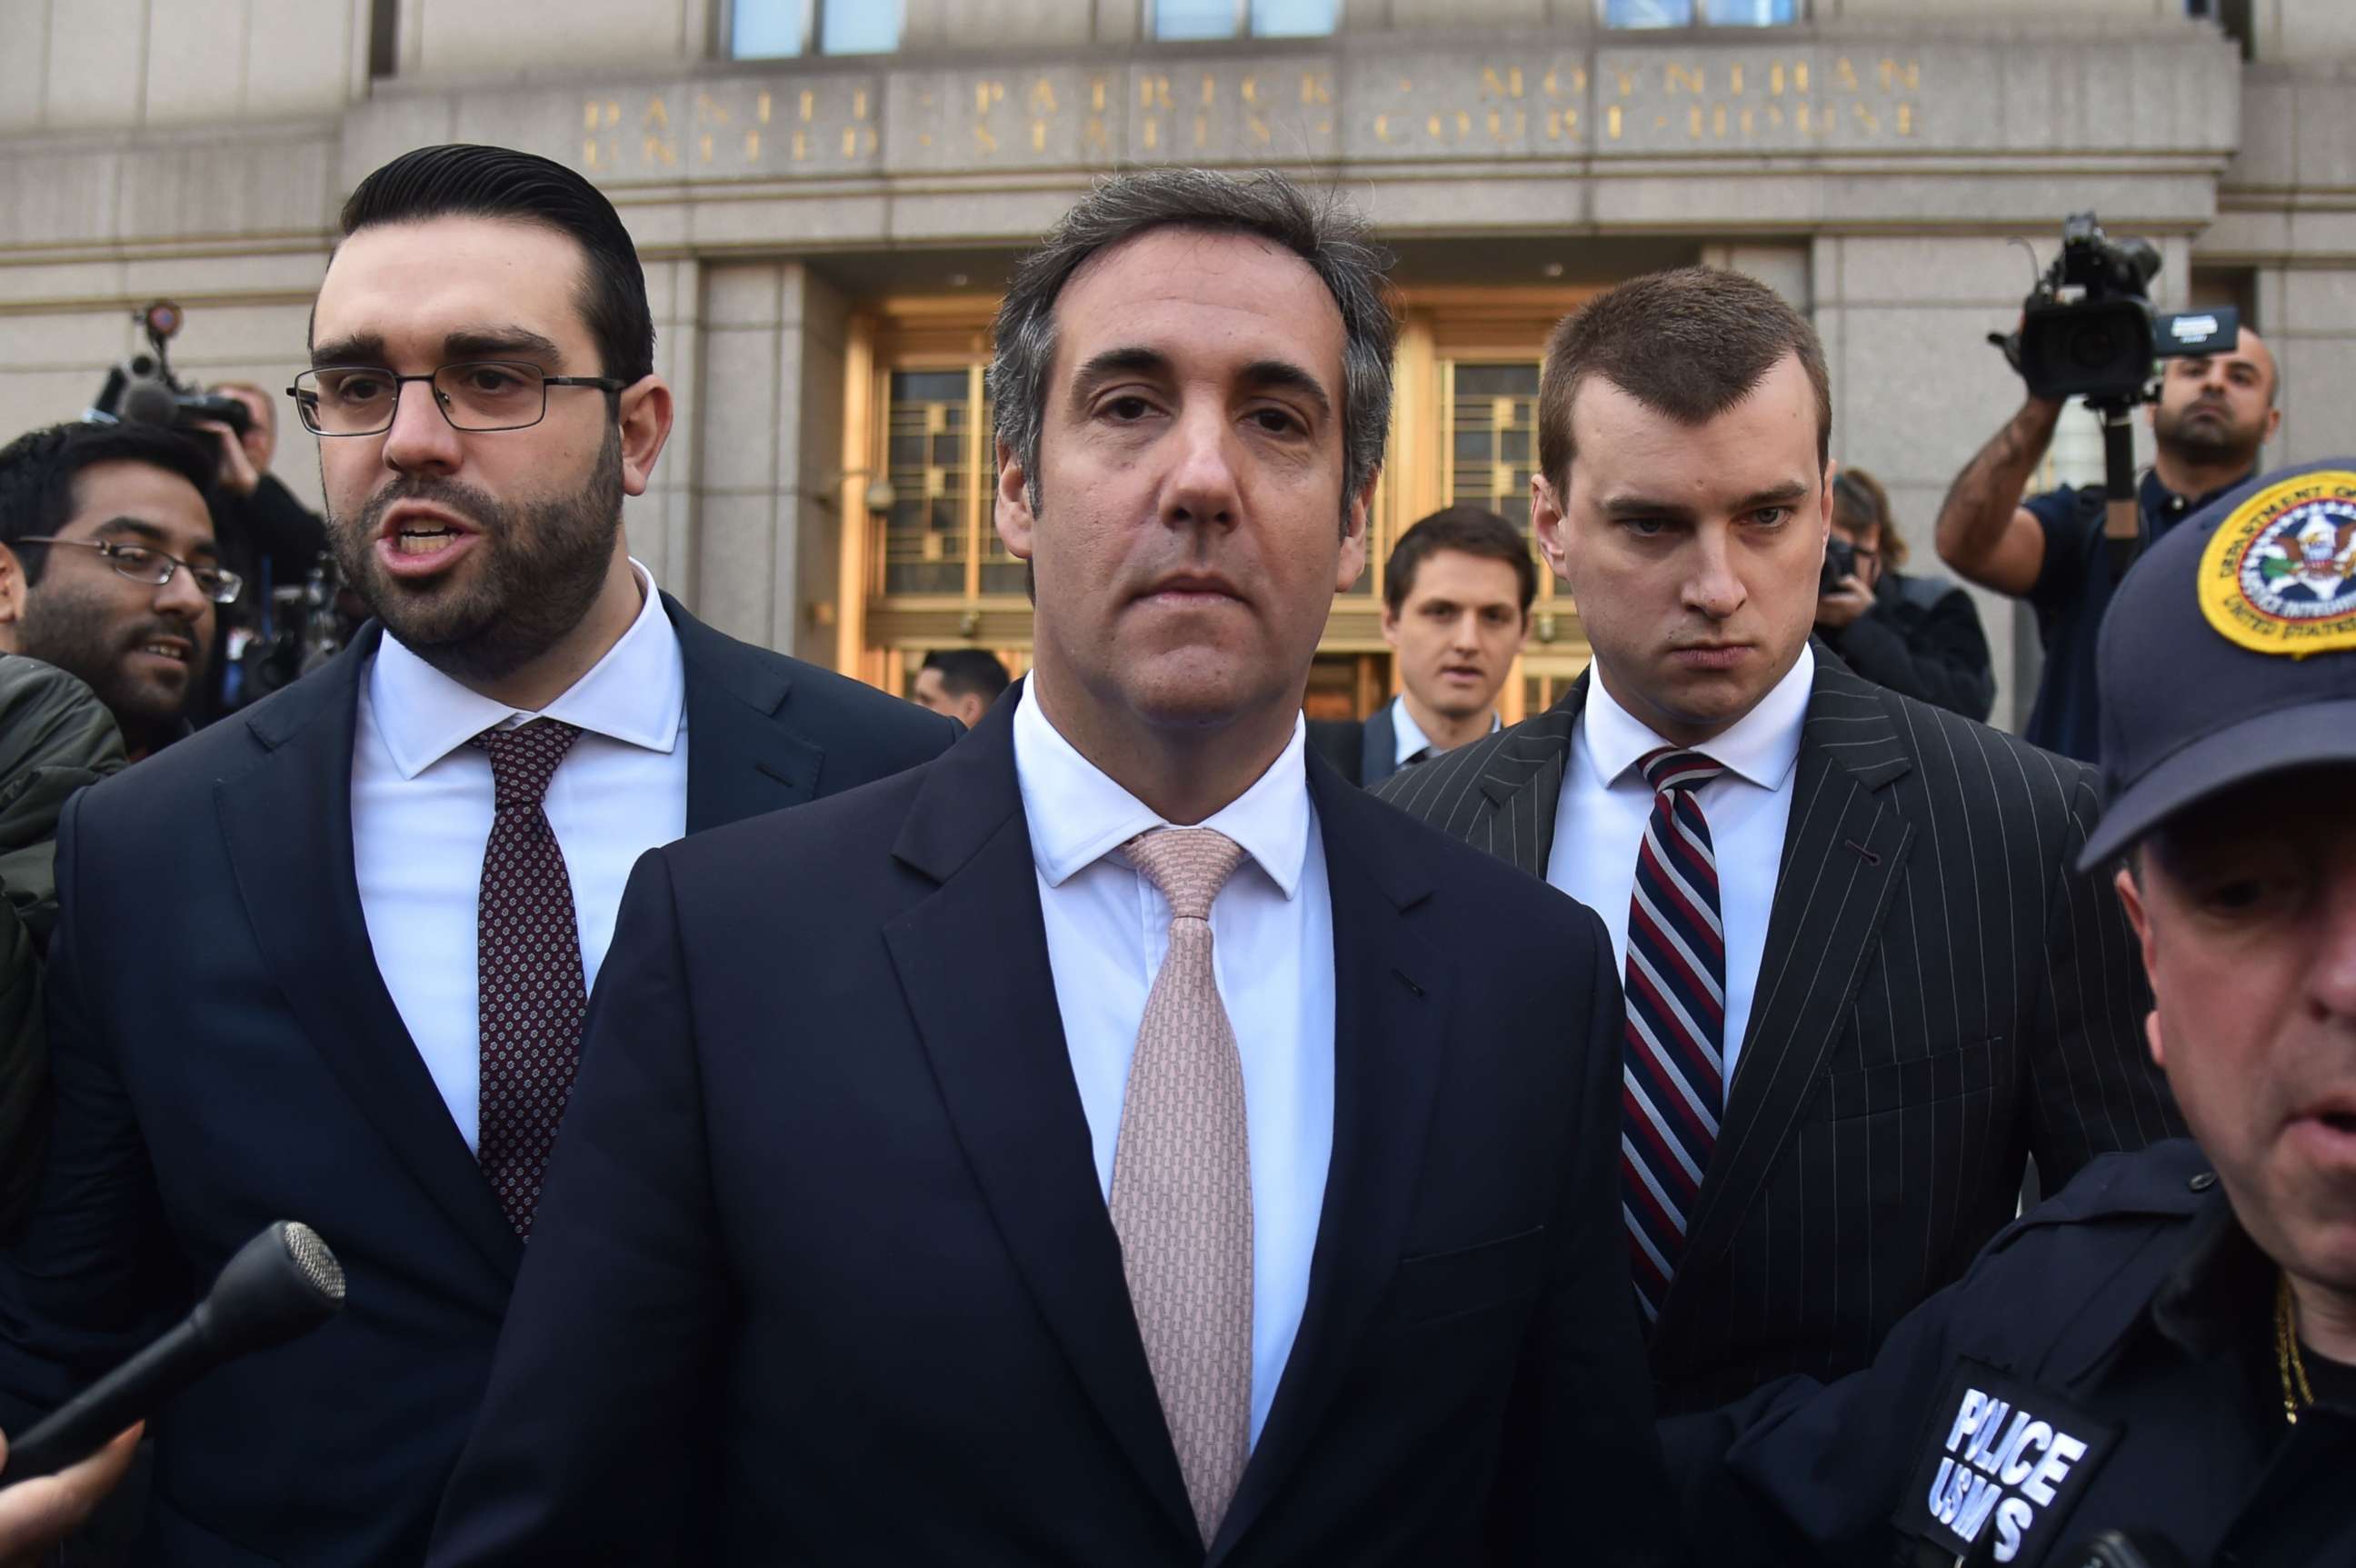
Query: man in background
(1456,607)
(1916,635)
(268,538)
(961,683)
(109,569)
(2213,414)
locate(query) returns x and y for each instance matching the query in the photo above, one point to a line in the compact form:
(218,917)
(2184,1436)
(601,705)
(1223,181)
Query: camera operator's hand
(36,1515)
(245,458)
(1849,599)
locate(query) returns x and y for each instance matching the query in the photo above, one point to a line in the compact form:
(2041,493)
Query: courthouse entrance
(923,567)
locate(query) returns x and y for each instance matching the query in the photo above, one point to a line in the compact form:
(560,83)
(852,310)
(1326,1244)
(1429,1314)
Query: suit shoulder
(184,773)
(839,828)
(1501,893)
(2019,771)
(876,716)
(1430,787)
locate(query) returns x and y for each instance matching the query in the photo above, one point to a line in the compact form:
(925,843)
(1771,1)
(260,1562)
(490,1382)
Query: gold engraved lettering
(1561,124)
(661,150)
(1043,96)
(589,152)
(1498,132)
(1612,122)
(1718,122)
(859,104)
(1202,131)
(850,141)
(1250,90)
(709,111)
(1868,118)
(809,106)
(703,147)
(656,114)
(1906,119)
(1694,81)
(802,146)
(1693,122)
(761,108)
(983,141)
(1153,92)
(1383,129)
(589,115)
(1800,77)
(1097,94)
(1507,86)
(1210,90)
(1893,73)
(1038,135)
(1153,134)
(1750,121)
(985,94)
(1775,79)
(1095,137)
(1315,89)
(1844,75)
(1734,81)
(752,146)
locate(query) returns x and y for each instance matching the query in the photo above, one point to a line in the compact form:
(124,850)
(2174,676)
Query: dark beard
(542,565)
(82,636)
(2206,443)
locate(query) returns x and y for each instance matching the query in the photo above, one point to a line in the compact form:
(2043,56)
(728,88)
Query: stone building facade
(824,231)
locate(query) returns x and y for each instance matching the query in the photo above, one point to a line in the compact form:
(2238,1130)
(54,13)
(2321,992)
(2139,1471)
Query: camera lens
(2092,348)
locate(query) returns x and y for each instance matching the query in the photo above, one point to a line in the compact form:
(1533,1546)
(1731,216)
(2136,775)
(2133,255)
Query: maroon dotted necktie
(529,996)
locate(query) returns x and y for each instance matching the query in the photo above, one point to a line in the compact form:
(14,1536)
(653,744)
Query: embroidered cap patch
(2280,574)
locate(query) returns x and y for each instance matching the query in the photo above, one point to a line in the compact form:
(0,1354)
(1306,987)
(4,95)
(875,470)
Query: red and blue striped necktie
(1673,1084)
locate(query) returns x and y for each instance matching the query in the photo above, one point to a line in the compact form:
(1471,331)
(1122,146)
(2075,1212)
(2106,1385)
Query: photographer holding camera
(2212,410)
(267,537)
(1918,636)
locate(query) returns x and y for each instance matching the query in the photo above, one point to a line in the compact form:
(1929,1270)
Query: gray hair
(1322,231)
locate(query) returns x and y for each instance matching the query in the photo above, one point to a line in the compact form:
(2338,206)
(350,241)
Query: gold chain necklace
(2297,1394)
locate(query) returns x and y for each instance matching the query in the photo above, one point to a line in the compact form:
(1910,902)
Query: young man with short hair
(961,683)
(1456,607)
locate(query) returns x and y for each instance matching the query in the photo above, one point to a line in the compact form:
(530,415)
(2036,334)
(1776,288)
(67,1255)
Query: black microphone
(283,1283)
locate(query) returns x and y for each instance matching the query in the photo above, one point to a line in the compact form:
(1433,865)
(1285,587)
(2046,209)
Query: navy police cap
(2229,651)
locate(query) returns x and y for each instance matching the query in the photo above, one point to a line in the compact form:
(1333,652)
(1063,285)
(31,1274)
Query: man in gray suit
(1864,985)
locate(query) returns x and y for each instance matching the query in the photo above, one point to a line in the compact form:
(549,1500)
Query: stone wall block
(739,410)
(196,62)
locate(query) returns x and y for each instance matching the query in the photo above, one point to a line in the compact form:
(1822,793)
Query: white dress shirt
(421,807)
(1605,802)
(1409,737)
(1273,950)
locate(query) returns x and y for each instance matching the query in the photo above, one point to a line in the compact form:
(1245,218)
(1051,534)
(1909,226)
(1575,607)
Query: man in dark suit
(1864,985)
(1128,1142)
(326,960)
(1456,607)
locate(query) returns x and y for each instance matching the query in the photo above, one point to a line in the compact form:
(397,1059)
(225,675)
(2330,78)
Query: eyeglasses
(146,564)
(475,395)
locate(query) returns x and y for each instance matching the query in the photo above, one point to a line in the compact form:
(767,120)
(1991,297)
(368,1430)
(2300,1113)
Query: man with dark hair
(268,538)
(961,683)
(1456,607)
(1864,984)
(1919,635)
(364,915)
(109,569)
(1070,1171)
(2213,414)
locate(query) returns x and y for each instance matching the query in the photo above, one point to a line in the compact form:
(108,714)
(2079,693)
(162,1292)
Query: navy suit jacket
(225,1054)
(824,1275)
(1365,751)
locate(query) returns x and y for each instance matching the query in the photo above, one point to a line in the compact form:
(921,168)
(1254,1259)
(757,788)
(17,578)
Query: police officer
(2158,1366)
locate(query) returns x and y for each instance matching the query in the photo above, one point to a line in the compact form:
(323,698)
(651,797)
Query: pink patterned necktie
(530,998)
(1181,1182)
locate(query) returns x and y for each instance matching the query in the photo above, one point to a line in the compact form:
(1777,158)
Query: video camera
(2088,330)
(144,391)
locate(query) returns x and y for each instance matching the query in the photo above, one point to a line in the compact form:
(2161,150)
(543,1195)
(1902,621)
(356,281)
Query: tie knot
(1188,865)
(524,759)
(1668,769)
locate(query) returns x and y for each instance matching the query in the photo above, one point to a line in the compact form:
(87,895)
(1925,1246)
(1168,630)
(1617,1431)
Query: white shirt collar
(1761,745)
(1408,735)
(1078,815)
(637,694)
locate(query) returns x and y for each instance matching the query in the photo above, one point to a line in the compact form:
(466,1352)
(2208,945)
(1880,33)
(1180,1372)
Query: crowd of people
(1109,1118)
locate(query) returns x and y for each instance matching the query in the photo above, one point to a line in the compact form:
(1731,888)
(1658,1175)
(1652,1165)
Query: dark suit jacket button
(2204,1181)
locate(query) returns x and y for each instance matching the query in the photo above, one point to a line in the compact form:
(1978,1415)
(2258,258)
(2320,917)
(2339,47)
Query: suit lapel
(1844,855)
(288,823)
(1523,779)
(1005,1076)
(742,761)
(1377,748)
(1390,1018)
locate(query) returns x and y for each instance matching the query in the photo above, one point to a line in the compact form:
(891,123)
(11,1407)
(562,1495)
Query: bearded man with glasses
(366,913)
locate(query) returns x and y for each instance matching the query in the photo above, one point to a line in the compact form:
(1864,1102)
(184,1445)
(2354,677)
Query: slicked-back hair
(460,180)
(1320,229)
(1862,506)
(1469,531)
(37,472)
(969,672)
(1689,343)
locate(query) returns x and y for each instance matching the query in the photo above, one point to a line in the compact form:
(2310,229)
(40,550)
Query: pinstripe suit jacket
(1943,998)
